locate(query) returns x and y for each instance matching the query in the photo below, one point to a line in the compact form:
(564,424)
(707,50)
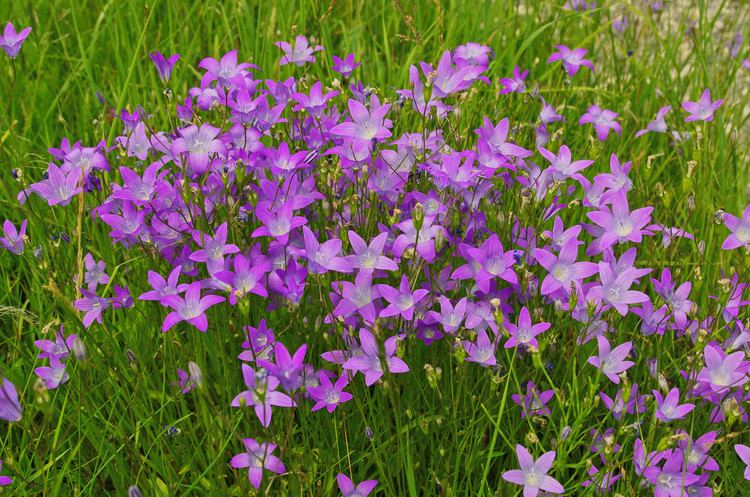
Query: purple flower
(562,165)
(627,402)
(10,407)
(620,224)
(723,371)
(572,60)
(225,69)
(286,368)
(533,474)
(11,41)
(402,300)
(4,480)
(603,121)
(487,262)
(523,334)
(743,451)
(245,279)
(658,125)
(95,272)
(299,54)
(369,362)
(482,351)
(346,66)
(601,481)
(60,348)
(652,321)
(59,187)
(423,238)
(358,297)
(330,395)
(676,299)
(164,66)
(191,378)
(614,289)
(53,375)
(324,257)
(703,109)
(92,305)
(192,308)
(348,489)
(611,362)
(316,103)
(137,189)
(672,479)
(163,288)
(256,458)
(199,144)
(534,402)
(450,317)
(669,407)
(277,223)
(617,178)
(366,124)
(696,451)
(13,240)
(563,270)
(740,228)
(515,84)
(261,394)
(214,248)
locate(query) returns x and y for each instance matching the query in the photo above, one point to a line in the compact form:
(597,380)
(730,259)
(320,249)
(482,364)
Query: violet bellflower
(330,395)
(533,402)
(482,351)
(369,257)
(562,165)
(563,270)
(213,248)
(286,368)
(740,230)
(603,121)
(163,288)
(261,393)
(192,308)
(12,41)
(59,348)
(668,407)
(366,124)
(369,362)
(533,474)
(523,334)
(13,239)
(572,60)
(345,66)
(401,300)
(164,65)
(611,362)
(326,256)
(53,375)
(620,224)
(615,290)
(658,125)
(349,489)
(743,451)
(59,187)
(4,480)
(703,109)
(723,371)
(257,457)
(10,407)
(299,54)
(515,84)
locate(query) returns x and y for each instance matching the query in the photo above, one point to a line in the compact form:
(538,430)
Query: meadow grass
(120,420)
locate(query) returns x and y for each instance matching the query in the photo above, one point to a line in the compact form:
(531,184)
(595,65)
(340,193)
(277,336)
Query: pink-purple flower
(533,473)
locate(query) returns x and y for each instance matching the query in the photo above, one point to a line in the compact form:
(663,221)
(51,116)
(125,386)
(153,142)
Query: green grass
(454,435)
